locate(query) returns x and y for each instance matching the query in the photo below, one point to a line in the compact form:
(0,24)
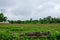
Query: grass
(25,28)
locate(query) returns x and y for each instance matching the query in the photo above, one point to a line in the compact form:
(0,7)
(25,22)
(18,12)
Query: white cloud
(25,9)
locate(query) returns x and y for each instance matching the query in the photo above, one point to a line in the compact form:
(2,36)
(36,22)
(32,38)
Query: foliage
(2,17)
(46,20)
(13,31)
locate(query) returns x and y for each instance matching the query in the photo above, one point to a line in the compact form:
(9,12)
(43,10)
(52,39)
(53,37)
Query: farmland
(7,30)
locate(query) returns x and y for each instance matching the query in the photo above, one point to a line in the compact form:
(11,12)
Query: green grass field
(16,29)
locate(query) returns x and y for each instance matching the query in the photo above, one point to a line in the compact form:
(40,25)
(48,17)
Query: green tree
(18,21)
(49,18)
(31,21)
(2,17)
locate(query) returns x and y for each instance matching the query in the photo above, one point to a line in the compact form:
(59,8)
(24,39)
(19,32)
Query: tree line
(46,20)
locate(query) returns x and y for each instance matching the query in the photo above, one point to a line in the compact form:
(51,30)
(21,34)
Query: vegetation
(46,20)
(13,31)
(2,17)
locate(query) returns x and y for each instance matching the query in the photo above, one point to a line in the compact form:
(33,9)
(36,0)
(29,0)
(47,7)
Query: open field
(17,29)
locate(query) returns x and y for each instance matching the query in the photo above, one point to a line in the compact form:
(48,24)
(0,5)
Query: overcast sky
(26,9)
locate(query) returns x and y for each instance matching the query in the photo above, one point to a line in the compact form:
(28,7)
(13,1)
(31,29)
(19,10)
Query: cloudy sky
(26,9)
